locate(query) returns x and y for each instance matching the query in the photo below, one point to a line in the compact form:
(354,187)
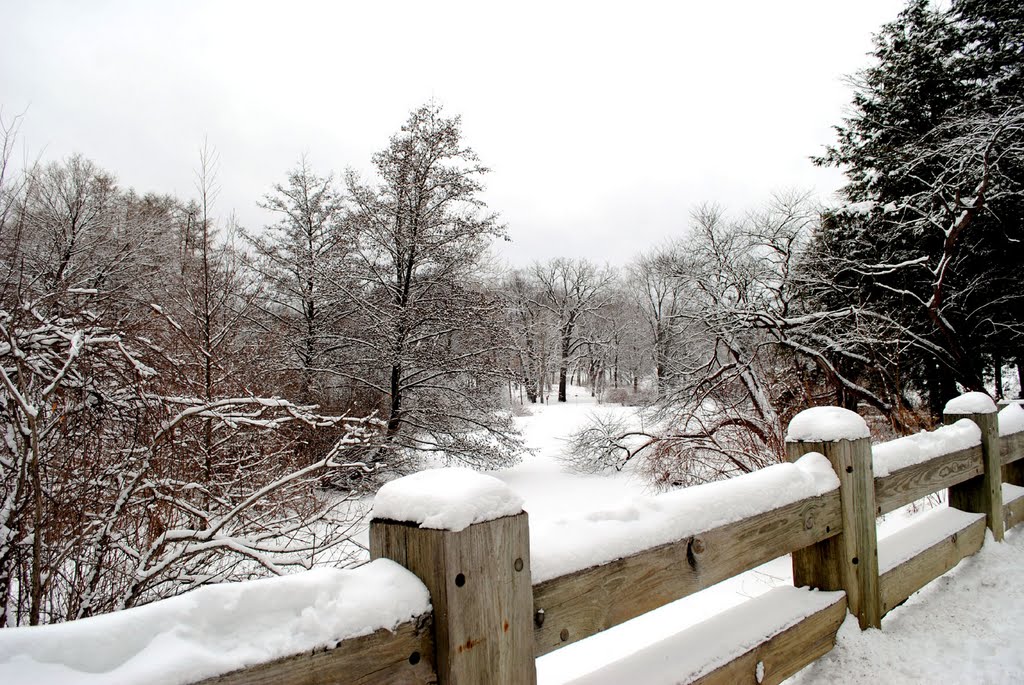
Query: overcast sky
(604,124)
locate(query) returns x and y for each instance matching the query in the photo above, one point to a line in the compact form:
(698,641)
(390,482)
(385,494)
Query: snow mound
(697,651)
(1011,493)
(827,424)
(1011,419)
(215,629)
(565,545)
(924,531)
(964,627)
(920,447)
(446,499)
(971,403)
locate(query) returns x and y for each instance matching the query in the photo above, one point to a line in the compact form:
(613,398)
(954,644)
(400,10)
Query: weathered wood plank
(907,578)
(785,653)
(479,583)
(580,604)
(849,561)
(402,657)
(983,494)
(903,486)
(1013,510)
(1011,451)
(1011,447)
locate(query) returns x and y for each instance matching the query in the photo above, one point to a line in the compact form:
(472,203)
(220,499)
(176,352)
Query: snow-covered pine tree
(933,153)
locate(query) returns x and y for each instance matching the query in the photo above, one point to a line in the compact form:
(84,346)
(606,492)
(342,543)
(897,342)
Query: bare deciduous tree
(570,290)
(426,337)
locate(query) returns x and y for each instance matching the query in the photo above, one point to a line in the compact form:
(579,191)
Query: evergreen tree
(933,153)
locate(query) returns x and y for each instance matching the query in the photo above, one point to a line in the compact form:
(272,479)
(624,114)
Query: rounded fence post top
(971,403)
(827,424)
(446,499)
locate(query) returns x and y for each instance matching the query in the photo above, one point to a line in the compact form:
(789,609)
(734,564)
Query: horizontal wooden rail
(898,583)
(763,640)
(404,656)
(903,486)
(1013,505)
(784,653)
(1011,447)
(577,605)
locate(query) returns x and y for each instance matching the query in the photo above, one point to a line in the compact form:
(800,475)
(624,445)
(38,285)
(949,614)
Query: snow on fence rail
(477,601)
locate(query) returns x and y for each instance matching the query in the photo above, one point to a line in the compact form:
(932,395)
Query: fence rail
(402,655)
(489,622)
(911,483)
(586,602)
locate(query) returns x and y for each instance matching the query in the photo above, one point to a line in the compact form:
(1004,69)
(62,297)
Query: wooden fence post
(848,561)
(982,494)
(478,578)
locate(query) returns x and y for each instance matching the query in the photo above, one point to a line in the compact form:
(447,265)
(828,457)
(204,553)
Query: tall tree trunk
(563,369)
(395,415)
(941,389)
(37,529)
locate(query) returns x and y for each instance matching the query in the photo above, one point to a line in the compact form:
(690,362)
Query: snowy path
(965,627)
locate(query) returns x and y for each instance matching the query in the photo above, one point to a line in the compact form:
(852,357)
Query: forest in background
(187,401)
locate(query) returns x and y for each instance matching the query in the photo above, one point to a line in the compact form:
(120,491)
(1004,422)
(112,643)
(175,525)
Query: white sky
(604,123)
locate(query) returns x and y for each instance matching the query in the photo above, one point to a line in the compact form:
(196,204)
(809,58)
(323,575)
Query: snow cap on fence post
(982,494)
(847,561)
(466,536)
(446,499)
(827,424)
(970,403)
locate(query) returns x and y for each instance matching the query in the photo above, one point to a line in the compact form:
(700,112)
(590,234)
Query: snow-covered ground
(964,627)
(552,493)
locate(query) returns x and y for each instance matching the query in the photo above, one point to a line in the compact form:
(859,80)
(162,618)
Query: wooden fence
(489,622)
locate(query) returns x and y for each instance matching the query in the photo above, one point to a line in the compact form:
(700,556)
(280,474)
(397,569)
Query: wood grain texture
(479,583)
(850,561)
(983,494)
(404,656)
(1011,448)
(911,483)
(580,604)
(784,653)
(904,580)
